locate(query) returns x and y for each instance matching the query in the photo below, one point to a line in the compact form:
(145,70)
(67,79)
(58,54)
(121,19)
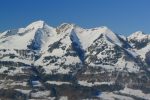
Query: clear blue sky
(121,16)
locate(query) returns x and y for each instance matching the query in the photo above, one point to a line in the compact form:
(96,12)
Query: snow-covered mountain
(35,34)
(95,57)
(140,42)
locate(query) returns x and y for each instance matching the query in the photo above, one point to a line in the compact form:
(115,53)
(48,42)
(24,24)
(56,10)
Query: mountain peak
(36,24)
(139,35)
(103,27)
(64,25)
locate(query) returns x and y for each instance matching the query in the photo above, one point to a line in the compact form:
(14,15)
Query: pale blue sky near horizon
(121,16)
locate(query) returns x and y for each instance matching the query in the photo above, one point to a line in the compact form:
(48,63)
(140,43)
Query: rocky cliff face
(39,61)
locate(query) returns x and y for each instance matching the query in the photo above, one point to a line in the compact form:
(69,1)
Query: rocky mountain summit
(40,62)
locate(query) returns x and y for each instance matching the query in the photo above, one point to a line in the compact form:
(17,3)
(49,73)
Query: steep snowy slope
(87,36)
(35,34)
(139,39)
(103,48)
(19,47)
(59,55)
(141,43)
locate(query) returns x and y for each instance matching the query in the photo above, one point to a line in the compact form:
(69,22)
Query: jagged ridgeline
(70,62)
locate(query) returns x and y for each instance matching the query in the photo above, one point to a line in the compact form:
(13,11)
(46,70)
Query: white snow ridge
(41,62)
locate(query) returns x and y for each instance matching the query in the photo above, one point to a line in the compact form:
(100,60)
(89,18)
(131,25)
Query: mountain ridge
(38,36)
(71,56)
